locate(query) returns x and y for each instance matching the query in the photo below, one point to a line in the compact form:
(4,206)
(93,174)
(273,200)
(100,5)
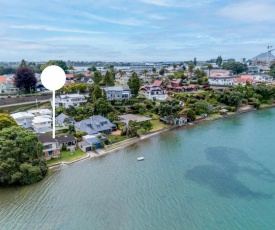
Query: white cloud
(48,28)
(176,3)
(125,22)
(250,11)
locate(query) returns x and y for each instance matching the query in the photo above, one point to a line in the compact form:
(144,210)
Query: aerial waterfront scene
(149,114)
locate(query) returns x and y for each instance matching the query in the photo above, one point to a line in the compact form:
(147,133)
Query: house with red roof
(243,79)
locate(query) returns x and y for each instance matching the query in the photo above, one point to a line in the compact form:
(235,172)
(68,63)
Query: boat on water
(140,158)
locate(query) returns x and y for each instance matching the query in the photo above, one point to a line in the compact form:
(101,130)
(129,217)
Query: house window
(50,153)
(48,146)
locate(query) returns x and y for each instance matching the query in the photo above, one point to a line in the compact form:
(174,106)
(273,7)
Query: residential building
(243,79)
(253,69)
(154,93)
(68,100)
(218,72)
(6,85)
(67,140)
(222,80)
(262,78)
(51,146)
(91,140)
(117,93)
(64,120)
(40,112)
(23,119)
(131,117)
(2,85)
(87,80)
(94,125)
(42,124)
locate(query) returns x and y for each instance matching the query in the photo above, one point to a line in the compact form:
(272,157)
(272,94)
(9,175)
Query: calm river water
(216,175)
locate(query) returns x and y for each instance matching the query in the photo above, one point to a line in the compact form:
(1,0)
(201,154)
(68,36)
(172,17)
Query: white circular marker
(53,78)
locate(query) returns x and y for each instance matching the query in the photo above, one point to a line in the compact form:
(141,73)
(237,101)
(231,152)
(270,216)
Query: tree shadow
(221,174)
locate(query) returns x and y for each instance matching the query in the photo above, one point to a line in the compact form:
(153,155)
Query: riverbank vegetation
(20,157)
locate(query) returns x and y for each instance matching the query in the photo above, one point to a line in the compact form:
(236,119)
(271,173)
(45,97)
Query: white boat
(140,158)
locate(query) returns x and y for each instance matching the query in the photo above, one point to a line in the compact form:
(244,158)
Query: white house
(262,78)
(154,92)
(69,99)
(23,119)
(42,124)
(221,80)
(117,93)
(40,112)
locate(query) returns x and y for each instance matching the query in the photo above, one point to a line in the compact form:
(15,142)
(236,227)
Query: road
(24,103)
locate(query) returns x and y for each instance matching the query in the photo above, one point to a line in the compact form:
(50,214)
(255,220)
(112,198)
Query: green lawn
(214,115)
(68,156)
(115,138)
(157,125)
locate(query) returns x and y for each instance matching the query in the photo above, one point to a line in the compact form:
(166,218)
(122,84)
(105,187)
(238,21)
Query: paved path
(23,103)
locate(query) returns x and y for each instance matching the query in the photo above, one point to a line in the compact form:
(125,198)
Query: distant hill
(262,57)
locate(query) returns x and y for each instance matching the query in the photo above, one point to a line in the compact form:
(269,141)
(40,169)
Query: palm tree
(145,72)
(191,69)
(209,66)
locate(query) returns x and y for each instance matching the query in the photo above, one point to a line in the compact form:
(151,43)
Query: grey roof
(93,140)
(84,143)
(65,138)
(90,126)
(61,117)
(127,117)
(116,88)
(44,138)
(86,79)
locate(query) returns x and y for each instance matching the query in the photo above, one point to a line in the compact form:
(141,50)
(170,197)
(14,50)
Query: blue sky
(136,30)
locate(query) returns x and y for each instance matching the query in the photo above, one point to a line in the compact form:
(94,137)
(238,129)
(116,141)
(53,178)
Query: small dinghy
(140,158)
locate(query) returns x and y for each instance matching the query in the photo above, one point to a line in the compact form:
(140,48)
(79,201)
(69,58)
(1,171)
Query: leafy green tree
(134,83)
(6,121)
(103,107)
(97,77)
(236,67)
(92,68)
(145,71)
(59,63)
(146,125)
(20,157)
(162,71)
(108,79)
(79,76)
(23,64)
(130,130)
(97,93)
(25,79)
(191,114)
(191,69)
(272,70)
(219,60)
(154,70)
(231,98)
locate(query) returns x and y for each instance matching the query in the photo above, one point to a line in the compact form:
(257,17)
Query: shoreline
(146,136)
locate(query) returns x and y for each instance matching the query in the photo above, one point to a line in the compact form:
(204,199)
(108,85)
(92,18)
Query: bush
(93,148)
(64,148)
(102,145)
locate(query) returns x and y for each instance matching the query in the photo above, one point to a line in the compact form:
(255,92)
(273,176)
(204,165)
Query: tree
(6,121)
(134,83)
(162,71)
(236,67)
(97,77)
(130,129)
(146,125)
(195,61)
(59,63)
(145,71)
(191,68)
(154,70)
(23,64)
(92,68)
(108,79)
(20,157)
(79,76)
(97,93)
(272,70)
(191,114)
(219,60)
(209,67)
(103,107)
(25,79)
(231,98)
